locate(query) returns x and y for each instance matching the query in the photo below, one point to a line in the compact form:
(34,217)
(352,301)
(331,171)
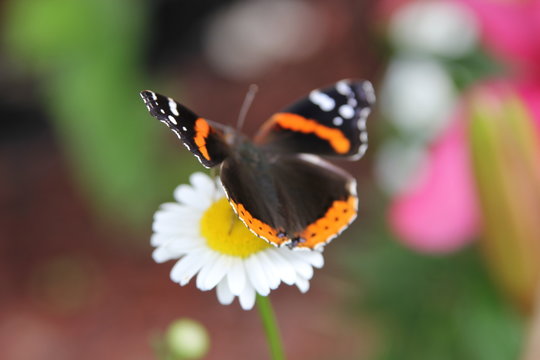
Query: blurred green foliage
(472,68)
(427,308)
(87,56)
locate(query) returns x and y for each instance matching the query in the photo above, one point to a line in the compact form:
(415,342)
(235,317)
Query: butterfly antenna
(246,105)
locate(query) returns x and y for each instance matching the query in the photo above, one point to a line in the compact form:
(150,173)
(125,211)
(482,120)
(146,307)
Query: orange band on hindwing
(258,227)
(298,123)
(336,219)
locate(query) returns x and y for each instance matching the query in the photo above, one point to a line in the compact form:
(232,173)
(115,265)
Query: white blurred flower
(398,164)
(202,231)
(444,28)
(249,37)
(418,96)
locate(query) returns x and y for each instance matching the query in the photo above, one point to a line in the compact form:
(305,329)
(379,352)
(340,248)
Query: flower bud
(187,339)
(505,153)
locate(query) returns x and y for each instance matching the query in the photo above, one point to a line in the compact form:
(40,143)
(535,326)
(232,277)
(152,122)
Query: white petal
(303,268)
(302,284)
(315,258)
(180,228)
(185,244)
(158,240)
(184,216)
(247,297)
(173,206)
(270,270)
(185,194)
(203,184)
(219,269)
(284,269)
(224,294)
(256,275)
(175,217)
(237,277)
(187,267)
(206,270)
(176,245)
(162,254)
(305,271)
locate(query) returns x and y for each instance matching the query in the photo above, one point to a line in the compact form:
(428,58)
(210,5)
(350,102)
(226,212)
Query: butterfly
(278,184)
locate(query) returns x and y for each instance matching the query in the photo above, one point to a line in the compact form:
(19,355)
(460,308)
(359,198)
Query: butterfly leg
(234,220)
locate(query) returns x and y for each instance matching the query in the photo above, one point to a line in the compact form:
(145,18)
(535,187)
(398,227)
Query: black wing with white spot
(204,140)
(329,122)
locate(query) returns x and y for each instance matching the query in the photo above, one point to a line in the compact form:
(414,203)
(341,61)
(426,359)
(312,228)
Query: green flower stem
(270,327)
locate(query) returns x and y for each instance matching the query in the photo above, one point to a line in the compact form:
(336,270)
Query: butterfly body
(278,184)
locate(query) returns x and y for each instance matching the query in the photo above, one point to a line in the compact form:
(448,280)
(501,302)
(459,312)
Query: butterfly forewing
(205,141)
(328,122)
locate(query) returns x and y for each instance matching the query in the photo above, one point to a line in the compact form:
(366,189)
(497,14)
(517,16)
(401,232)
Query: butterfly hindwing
(300,201)
(200,136)
(329,122)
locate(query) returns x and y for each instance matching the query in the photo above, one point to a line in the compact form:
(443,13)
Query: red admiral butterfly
(278,184)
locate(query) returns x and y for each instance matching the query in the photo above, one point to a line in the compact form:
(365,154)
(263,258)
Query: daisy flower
(201,231)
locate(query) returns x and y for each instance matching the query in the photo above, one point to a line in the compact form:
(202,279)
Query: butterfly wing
(297,200)
(202,137)
(329,122)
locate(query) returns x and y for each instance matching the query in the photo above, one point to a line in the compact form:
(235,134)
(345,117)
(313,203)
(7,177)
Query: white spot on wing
(337,121)
(177,134)
(325,102)
(346,111)
(362,124)
(173,120)
(370,93)
(362,149)
(364,113)
(153,95)
(364,136)
(173,107)
(184,128)
(343,87)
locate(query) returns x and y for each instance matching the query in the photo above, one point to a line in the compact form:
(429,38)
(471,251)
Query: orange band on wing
(258,227)
(202,129)
(340,214)
(294,122)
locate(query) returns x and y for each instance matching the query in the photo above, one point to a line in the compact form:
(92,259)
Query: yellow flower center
(226,234)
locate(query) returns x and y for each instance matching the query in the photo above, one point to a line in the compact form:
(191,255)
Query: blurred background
(443,260)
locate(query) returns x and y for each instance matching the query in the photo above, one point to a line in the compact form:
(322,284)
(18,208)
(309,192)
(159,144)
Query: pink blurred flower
(511,30)
(440,212)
